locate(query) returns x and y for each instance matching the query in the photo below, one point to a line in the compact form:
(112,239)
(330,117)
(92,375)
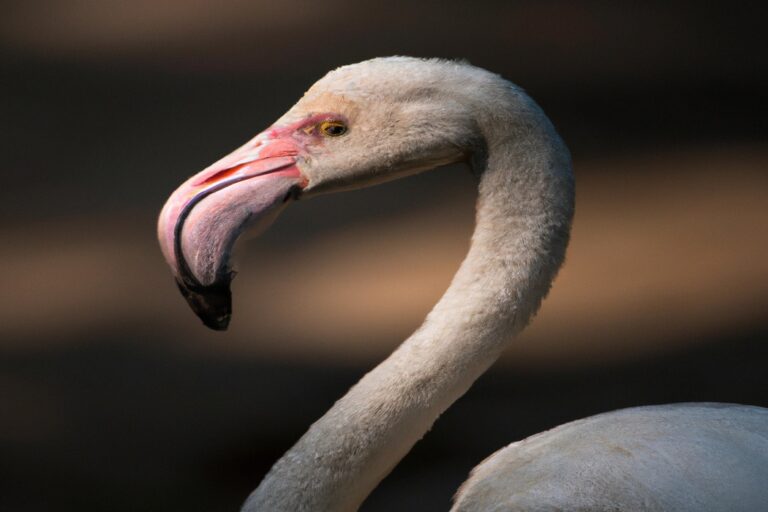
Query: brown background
(114,397)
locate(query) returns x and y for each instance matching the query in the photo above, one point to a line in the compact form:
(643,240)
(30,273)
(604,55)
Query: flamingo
(386,118)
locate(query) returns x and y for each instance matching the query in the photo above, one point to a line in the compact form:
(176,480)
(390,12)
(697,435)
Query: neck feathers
(524,210)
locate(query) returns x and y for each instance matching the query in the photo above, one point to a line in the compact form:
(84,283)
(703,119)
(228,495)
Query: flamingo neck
(524,209)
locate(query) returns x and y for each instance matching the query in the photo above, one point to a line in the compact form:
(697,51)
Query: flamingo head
(359,125)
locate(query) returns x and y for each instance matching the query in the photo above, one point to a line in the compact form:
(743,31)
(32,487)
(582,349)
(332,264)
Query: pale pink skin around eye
(300,129)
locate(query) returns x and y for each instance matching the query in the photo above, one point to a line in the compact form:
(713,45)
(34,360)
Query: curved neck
(524,209)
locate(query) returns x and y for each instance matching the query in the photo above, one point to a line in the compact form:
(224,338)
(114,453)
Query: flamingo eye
(332,128)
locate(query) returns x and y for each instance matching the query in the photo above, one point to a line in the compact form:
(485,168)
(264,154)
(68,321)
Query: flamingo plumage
(386,118)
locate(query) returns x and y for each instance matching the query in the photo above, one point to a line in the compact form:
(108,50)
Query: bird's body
(372,122)
(703,457)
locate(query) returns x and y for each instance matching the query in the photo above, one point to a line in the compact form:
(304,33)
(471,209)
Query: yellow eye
(332,128)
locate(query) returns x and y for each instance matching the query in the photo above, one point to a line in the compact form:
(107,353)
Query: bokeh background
(114,397)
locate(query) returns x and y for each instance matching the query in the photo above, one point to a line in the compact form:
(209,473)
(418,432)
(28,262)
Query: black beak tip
(212,304)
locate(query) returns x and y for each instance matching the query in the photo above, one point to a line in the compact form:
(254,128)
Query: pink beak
(203,218)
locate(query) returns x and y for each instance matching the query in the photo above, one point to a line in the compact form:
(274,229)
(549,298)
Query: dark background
(114,397)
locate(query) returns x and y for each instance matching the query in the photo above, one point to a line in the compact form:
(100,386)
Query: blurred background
(114,397)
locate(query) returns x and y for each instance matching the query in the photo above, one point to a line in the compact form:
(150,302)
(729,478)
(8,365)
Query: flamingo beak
(202,219)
